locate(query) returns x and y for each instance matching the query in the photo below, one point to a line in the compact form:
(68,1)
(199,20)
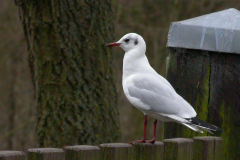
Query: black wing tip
(199,122)
(217,129)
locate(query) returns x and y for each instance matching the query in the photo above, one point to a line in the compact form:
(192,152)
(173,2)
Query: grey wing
(159,97)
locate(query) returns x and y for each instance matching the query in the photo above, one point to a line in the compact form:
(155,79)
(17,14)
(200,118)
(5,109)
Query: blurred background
(149,18)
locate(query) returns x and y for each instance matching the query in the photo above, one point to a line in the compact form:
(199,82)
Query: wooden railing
(198,148)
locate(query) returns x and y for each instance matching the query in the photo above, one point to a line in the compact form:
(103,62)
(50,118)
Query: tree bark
(12,101)
(71,70)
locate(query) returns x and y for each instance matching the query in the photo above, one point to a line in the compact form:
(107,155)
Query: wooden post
(83,152)
(115,151)
(45,154)
(148,151)
(178,149)
(207,148)
(218,147)
(203,67)
(12,155)
(225,99)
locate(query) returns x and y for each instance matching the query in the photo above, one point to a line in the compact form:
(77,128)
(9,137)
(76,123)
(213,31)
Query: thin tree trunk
(71,69)
(12,101)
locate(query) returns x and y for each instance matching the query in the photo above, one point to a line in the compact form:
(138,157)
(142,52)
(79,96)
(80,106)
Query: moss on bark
(189,73)
(72,71)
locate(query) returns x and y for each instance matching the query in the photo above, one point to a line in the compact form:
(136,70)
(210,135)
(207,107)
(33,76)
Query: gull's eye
(126,40)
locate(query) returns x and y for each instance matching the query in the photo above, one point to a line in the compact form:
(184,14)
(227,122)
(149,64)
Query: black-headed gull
(151,93)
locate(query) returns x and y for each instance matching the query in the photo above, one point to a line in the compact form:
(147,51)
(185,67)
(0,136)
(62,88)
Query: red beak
(113,44)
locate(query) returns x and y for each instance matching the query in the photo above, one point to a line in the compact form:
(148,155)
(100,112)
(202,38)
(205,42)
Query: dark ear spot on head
(136,42)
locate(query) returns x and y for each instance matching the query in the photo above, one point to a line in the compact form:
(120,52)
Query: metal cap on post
(219,31)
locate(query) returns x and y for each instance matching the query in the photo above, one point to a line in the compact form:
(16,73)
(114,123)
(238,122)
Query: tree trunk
(12,100)
(72,71)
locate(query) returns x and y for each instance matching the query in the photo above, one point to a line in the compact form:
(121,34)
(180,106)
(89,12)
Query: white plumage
(150,92)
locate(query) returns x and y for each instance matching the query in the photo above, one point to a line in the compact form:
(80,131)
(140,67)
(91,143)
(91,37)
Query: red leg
(154,132)
(144,132)
(145,128)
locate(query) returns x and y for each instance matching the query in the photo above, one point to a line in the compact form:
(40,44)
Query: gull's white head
(130,41)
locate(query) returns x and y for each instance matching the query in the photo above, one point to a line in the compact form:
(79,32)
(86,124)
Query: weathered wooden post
(204,68)
(12,155)
(115,151)
(148,151)
(178,148)
(46,154)
(83,152)
(207,148)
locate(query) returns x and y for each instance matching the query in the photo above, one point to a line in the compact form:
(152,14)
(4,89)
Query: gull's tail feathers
(203,125)
(195,128)
(195,124)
